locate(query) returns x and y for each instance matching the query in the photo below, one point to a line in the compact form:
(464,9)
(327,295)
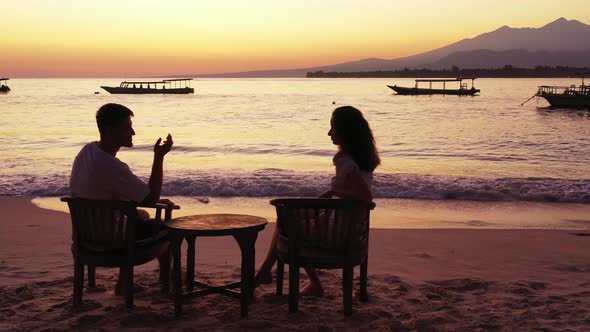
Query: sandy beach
(419,279)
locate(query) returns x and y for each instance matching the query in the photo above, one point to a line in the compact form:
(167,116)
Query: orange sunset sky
(121,38)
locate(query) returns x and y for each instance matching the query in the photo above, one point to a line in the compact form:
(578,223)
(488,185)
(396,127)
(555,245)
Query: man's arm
(157,176)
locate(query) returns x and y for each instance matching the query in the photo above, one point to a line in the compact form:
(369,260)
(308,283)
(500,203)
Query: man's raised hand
(164,148)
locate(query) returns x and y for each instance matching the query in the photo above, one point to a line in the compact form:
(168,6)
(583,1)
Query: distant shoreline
(507,71)
(370,74)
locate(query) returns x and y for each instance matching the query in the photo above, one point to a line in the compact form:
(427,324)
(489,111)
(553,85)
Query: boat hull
(421,91)
(567,101)
(141,91)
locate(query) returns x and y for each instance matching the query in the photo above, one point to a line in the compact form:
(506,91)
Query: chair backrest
(323,223)
(102,224)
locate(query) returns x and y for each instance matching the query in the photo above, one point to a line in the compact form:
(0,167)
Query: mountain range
(560,43)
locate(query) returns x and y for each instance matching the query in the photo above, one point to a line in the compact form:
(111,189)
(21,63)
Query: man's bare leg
(165,271)
(120,288)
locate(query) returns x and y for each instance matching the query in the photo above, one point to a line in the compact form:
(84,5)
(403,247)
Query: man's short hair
(111,114)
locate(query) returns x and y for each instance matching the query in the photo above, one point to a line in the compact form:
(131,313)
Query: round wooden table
(243,228)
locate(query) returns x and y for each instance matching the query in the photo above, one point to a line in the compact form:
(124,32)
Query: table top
(216,224)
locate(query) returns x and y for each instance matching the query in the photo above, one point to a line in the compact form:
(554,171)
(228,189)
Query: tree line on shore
(507,71)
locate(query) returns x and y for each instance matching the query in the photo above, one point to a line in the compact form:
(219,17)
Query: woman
(355,161)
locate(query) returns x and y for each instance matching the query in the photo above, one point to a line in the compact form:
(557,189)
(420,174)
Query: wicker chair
(103,234)
(322,233)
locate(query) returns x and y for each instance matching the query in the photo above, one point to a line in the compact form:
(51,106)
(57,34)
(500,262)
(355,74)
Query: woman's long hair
(356,136)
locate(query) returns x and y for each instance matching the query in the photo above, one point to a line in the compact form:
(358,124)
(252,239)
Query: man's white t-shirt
(98,175)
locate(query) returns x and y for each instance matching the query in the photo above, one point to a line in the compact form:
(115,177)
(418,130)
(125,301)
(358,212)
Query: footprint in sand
(90,319)
(96,289)
(87,305)
(6,313)
(424,255)
(537,285)
(60,305)
(573,268)
(521,289)
(434,297)
(464,284)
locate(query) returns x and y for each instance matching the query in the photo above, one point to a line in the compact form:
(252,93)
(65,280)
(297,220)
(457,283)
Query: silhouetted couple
(98,174)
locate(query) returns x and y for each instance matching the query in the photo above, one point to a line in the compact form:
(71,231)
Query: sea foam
(283,183)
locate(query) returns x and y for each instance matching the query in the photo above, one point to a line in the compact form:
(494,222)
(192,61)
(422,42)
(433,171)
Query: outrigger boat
(3,86)
(566,96)
(416,90)
(171,86)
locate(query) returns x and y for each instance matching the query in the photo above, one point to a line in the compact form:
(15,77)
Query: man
(98,174)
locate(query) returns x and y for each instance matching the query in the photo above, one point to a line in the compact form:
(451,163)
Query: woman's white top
(345,165)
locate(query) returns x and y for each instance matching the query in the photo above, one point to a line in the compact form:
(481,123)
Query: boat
(3,86)
(171,86)
(566,96)
(417,90)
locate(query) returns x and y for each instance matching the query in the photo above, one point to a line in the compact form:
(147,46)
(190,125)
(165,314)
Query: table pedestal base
(246,241)
(206,289)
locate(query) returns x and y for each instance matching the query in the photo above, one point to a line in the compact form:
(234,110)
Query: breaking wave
(281,183)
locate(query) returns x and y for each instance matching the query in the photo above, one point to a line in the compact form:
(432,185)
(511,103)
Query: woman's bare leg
(264,275)
(314,288)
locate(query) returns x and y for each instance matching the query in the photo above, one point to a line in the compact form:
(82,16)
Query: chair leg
(363,281)
(91,275)
(129,283)
(280,275)
(347,274)
(293,287)
(78,281)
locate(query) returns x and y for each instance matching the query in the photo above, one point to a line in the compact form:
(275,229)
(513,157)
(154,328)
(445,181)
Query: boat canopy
(563,90)
(572,88)
(169,82)
(162,81)
(446,79)
(178,79)
(462,86)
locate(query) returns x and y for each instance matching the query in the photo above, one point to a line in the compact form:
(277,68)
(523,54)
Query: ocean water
(268,138)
